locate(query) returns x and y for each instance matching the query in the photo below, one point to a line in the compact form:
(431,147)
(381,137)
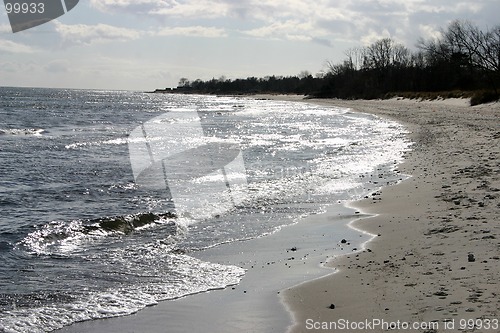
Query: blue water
(81,239)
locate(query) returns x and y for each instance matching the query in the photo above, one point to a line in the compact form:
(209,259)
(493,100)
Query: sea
(105,196)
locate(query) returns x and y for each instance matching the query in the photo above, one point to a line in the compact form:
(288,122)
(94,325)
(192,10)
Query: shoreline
(436,262)
(273,263)
(352,280)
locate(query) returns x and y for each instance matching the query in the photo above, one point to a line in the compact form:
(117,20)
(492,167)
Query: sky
(148,44)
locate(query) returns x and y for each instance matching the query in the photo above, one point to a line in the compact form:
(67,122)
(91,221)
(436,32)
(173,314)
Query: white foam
(23,131)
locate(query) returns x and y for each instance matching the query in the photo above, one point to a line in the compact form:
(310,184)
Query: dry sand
(437,254)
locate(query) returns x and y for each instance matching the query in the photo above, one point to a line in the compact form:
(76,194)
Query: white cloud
(372,36)
(468,6)
(193,9)
(9,67)
(90,34)
(5,28)
(429,31)
(168,8)
(143,28)
(194,31)
(294,30)
(351,20)
(280,29)
(7,46)
(139,6)
(58,66)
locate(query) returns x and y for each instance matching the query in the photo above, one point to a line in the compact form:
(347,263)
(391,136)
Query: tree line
(464,59)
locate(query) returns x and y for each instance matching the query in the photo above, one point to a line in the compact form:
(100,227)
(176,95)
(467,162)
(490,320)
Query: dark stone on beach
(441,293)
(471,258)
(343,241)
(332,306)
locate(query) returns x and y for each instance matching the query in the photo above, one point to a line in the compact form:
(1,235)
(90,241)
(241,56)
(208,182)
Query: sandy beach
(434,257)
(435,262)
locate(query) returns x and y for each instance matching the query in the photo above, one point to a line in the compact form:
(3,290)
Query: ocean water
(105,195)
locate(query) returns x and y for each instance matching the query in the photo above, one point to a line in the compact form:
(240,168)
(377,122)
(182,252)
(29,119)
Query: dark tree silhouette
(463,59)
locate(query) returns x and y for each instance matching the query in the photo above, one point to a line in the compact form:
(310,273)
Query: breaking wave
(63,237)
(22,131)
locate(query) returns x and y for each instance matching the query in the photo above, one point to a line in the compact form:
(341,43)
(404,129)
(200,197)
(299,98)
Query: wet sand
(273,263)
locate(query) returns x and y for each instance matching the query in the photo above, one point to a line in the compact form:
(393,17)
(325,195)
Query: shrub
(484,96)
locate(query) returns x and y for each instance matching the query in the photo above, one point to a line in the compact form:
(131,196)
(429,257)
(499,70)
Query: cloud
(5,28)
(58,66)
(168,8)
(194,9)
(193,31)
(7,46)
(295,20)
(290,27)
(372,36)
(351,21)
(9,67)
(91,34)
(135,6)
(321,41)
(294,30)
(429,31)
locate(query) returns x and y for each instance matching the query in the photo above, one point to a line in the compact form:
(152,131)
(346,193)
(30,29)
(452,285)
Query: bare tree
(464,43)
(379,54)
(340,69)
(385,53)
(492,49)
(482,49)
(355,57)
(304,74)
(401,56)
(184,82)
